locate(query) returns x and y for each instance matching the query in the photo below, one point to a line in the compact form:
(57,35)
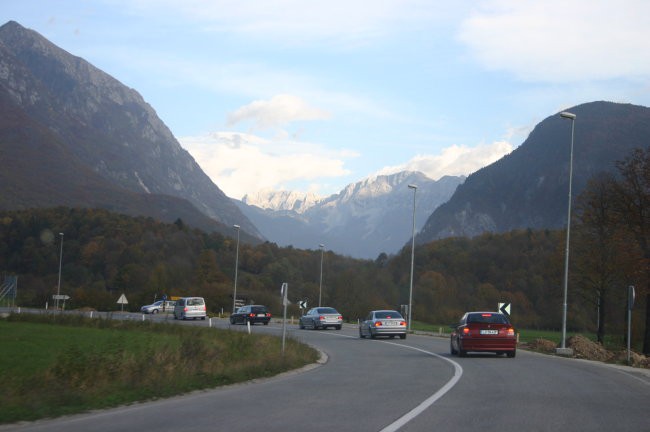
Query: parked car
(483,332)
(251,314)
(383,323)
(158,306)
(190,307)
(321,318)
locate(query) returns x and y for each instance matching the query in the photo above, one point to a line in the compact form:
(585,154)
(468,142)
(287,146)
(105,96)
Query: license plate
(489,332)
(393,323)
(260,315)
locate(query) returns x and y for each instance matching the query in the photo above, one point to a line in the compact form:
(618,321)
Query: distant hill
(72,135)
(529,187)
(365,219)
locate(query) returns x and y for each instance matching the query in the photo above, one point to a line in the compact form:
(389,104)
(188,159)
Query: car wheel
(512,353)
(361,335)
(338,327)
(301,325)
(402,336)
(372,335)
(232,321)
(462,353)
(155,311)
(451,348)
(266,323)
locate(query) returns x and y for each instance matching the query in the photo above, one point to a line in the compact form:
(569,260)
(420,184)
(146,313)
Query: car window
(258,309)
(327,311)
(387,314)
(487,318)
(194,302)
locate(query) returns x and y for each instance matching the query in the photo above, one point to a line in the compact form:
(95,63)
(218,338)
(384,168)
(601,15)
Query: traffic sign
(504,308)
(122,300)
(60,297)
(302,304)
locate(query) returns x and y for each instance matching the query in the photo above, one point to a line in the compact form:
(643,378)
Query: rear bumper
(379,331)
(488,344)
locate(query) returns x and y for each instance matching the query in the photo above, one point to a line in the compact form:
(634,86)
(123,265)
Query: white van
(190,307)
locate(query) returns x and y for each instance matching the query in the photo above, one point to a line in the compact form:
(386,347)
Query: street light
(320,286)
(58,289)
(415,189)
(563,349)
(234,295)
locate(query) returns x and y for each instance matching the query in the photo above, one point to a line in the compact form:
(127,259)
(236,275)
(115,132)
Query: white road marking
(458,372)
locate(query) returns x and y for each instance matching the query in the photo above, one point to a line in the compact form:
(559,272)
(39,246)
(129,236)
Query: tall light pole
(415,189)
(562,349)
(58,289)
(320,285)
(234,294)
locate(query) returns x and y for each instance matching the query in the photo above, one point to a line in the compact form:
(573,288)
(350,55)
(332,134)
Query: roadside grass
(53,365)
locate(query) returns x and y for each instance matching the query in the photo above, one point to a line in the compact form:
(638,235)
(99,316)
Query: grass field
(52,365)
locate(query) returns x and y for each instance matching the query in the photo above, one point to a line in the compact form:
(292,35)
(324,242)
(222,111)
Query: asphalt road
(393,384)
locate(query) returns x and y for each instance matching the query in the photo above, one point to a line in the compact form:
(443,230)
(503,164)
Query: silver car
(158,306)
(190,307)
(383,323)
(321,318)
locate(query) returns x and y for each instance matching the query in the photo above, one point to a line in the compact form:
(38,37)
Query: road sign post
(284,291)
(630,304)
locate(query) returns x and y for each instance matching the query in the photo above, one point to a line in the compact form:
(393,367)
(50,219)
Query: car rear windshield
(258,309)
(194,302)
(327,311)
(487,318)
(388,314)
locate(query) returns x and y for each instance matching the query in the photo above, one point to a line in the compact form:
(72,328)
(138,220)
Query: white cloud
(559,40)
(276,112)
(242,164)
(454,160)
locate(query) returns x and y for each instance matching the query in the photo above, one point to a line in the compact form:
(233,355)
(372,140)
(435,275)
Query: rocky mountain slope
(73,135)
(529,187)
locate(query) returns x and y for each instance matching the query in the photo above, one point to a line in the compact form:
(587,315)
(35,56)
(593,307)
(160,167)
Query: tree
(631,198)
(602,253)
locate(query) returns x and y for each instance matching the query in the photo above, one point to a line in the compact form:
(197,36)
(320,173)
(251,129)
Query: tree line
(105,255)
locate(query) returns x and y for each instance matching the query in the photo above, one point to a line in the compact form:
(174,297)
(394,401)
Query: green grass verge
(52,365)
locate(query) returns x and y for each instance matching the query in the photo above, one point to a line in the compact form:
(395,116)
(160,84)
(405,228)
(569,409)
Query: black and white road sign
(504,308)
(302,304)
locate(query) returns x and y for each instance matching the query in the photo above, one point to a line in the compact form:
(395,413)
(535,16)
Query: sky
(311,96)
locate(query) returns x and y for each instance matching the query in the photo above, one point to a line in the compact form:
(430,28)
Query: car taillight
(340,317)
(268,314)
(185,309)
(378,324)
(321,317)
(402,323)
(251,314)
(466,330)
(511,331)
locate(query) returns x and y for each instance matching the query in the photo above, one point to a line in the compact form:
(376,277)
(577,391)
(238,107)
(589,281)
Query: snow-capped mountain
(366,218)
(282,200)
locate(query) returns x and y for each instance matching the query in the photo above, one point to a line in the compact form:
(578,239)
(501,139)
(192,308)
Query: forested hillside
(105,255)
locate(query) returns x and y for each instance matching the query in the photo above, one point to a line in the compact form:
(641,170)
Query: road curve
(390,385)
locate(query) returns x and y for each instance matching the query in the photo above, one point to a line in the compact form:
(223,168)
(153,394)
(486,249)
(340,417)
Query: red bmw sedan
(483,332)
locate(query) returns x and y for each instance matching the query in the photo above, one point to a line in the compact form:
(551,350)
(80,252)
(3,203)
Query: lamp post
(234,295)
(415,189)
(58,289)
(320,285)
(563,349)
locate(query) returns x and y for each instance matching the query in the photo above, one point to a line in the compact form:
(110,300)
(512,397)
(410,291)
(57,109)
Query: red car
(484,332)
